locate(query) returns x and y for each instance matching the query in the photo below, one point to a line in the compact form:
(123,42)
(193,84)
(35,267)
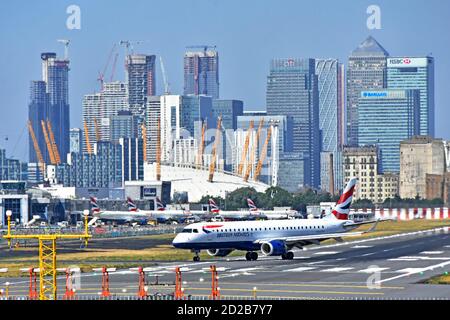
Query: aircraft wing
(317,237)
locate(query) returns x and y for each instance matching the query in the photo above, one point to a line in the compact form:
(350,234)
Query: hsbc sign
(407,62)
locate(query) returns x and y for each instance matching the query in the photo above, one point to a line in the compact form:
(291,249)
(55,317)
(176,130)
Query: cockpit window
(186,230)
(195,230)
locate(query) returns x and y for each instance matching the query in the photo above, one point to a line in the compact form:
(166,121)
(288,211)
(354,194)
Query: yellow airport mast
(47,254)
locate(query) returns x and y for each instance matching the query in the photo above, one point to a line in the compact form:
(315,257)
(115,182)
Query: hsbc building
(415,73)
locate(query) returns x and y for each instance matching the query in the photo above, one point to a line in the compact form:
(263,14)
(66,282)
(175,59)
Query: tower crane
(66,43)
(48,143)
(245,150)
(87,140)
(254,150)
(53,142)
(129,45)
(144,141)
(263,154)
(37,149)
(201,147)
(212,166)
(101,75)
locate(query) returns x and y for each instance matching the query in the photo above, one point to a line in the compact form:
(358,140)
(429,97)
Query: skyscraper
(49,100)
(141,82)
(37,112)
(292,90)
(56,76)
(386,118)
(153,114)
(201,71)
(415,73)
(366,71)
(180,118)
(330,75)
(98,108)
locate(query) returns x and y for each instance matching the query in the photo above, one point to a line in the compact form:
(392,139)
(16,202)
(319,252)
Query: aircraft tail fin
(342,208)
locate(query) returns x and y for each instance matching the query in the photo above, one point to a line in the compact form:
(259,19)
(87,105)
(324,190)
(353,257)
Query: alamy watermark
(73,21)
(374,280)
(374,19)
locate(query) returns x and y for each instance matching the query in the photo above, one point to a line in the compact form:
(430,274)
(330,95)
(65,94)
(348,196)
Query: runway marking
(246,269)
(326,253)
(368,254)
(317,262)
(315,284)
(301,269)
(410,270)
(441,265)
(373,270)
(294,291)
(337,270)
(417,258)
(432,252)
(362,247)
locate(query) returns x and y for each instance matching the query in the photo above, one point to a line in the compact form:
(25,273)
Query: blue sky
(247,33)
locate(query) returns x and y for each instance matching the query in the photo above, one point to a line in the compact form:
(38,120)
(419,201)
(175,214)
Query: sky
(247,33)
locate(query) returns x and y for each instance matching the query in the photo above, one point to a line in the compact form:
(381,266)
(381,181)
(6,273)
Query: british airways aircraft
(116,216)
(272,237)
(233,215)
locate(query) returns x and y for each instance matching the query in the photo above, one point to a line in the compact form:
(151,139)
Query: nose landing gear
(197,256)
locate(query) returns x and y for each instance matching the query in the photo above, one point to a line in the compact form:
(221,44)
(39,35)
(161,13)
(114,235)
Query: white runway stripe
(432,252)
(362,247)
(301,269)
(373,270)
(337,270)
(326,252)
(410,270)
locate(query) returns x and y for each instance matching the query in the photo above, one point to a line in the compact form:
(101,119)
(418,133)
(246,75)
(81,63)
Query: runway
(383,268)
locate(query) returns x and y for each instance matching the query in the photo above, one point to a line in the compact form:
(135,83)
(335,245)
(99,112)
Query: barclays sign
(371,94)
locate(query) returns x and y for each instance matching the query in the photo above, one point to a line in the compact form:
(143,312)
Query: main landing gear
(196,257)
(288,256)
(251,256)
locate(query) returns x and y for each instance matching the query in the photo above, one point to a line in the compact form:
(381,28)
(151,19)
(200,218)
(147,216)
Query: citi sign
(374,94)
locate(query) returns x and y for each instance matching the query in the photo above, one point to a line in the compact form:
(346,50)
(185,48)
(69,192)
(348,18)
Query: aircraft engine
(273,248)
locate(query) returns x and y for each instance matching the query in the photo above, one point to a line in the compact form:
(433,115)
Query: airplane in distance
(161,214)
(271,214)
(271,237)
(219,215)
(121,217)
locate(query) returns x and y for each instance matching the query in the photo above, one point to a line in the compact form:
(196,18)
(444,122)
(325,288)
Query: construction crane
(158,152)
(166,83)
(212,165)
(129,45)
(98,136)
(255,149)
(48,143)
(53,142)
(66,43)
(263,154)
(201,147)
(113,70)
(86,137)
(37,149)
(101,75)
(144,141)
(245,150)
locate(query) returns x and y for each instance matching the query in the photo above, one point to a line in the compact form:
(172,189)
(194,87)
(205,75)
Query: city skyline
(242,77)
